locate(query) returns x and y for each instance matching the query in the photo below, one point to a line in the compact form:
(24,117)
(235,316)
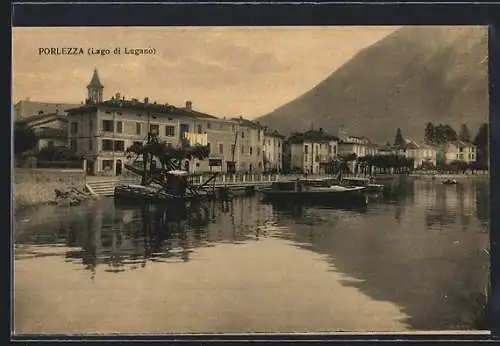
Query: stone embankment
(33,187)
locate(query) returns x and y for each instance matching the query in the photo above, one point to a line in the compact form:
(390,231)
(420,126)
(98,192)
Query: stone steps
(103,188)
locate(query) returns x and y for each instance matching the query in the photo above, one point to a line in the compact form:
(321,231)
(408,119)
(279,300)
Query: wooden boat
(364,182)
(301,193)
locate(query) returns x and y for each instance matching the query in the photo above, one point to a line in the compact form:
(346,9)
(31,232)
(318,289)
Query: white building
(361,146)
(273,150)
(422,154)
(458,151)
(103,130)
(312,151)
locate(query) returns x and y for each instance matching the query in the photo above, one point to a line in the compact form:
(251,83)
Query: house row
(101,131)
(313,150)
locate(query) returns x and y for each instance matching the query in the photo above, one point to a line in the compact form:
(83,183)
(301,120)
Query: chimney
(146,100)
(117,96)
(320,130)
(189,105)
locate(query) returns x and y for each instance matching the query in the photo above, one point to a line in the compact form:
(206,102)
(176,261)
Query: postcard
(320,179)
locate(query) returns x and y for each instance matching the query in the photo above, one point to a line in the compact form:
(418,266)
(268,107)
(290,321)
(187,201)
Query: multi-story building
(273,150)
(457,151)
(312,151)
(103,130)
(422,154)
(361,146)
(50,129)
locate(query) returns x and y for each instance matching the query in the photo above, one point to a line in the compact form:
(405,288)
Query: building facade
(457,151)
(423,155)
(361,146)
(312,151)
(273,151)
(103,130)
(50,129)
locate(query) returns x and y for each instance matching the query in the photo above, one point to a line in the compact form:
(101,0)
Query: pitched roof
(272,133)
(141,106)
(249,123)
(38,117)
(311,135)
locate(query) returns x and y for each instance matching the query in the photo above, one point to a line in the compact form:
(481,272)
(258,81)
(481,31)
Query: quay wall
(32,186)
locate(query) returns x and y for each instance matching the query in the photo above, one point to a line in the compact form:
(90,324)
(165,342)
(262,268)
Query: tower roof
(95,82)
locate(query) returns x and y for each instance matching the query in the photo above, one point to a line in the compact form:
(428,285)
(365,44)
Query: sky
(224,71)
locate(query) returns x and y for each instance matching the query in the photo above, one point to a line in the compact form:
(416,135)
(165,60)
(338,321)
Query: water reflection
(418,246)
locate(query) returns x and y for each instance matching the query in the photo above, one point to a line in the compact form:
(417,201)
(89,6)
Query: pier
(104,186)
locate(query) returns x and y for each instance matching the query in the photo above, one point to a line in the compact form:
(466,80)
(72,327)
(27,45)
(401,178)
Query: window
(73,146)
(258,135)
(170,131)
(119,146)
(209,147)
(91,125)
(90,144)
(221,149)
(74,128)
(242,149)
(107,145)
(107,165)
(50,144)
(233,148)
(306,149)
(154,128)
(107,125)
(138,128)
(199,129)
(268,142)
(209,126)
(169,145)
(119,126)
(242,134)
(258,151)
(251,150)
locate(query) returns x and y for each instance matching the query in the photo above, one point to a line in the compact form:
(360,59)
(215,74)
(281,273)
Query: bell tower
(95,89)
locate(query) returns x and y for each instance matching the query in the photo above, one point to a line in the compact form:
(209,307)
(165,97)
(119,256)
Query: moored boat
(301,193)
(368,183)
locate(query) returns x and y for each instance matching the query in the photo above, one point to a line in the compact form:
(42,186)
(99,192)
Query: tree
(430,133)
(481,142)
(464,133)
(399,140)
(24,139)
(449,134)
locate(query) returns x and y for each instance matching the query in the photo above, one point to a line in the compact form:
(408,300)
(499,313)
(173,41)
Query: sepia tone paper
(349,187)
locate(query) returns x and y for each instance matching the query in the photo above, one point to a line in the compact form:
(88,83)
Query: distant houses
(312,151)
(100,130)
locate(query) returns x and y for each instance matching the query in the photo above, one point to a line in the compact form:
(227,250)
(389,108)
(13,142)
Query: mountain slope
(415,75)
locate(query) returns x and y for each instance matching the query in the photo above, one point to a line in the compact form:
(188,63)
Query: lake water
(414,260)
